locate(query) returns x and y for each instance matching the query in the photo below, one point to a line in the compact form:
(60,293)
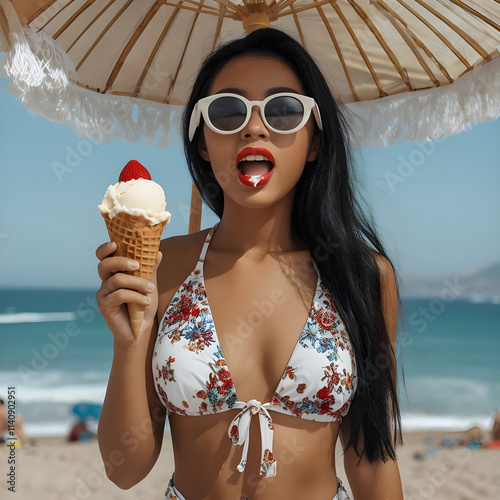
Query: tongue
(255,167)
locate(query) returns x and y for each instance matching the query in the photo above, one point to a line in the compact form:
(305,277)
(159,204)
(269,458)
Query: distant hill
(480,285)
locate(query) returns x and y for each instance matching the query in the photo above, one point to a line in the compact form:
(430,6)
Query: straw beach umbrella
(410,69)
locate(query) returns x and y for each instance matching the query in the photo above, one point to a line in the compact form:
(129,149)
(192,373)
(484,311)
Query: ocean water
(56,351)
(450,355)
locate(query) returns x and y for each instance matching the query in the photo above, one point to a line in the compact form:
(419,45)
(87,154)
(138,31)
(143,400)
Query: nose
(255,126)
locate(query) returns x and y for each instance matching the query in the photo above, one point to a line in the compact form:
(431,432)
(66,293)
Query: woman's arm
(369,481)
(375,481)
(132,420)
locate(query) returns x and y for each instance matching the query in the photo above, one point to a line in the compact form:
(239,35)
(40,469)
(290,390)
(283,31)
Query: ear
(314,149)
(202,148)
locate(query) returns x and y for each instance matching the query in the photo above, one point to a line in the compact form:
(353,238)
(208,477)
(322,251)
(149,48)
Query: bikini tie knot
(239,434)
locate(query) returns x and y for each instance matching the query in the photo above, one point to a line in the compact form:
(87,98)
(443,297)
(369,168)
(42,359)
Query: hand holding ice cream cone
(135,216)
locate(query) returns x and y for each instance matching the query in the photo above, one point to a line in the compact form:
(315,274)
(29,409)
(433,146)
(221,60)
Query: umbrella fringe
(43,76)
(429,114)
(20,60)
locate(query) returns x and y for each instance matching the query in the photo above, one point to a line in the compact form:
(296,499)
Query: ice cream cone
(139,241)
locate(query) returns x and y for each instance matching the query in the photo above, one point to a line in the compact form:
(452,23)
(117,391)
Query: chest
(224,339)
(259,313)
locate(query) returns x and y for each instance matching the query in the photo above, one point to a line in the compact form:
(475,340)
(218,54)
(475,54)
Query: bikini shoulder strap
(203,253)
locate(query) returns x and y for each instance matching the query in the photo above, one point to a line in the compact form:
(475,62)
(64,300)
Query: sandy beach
(54,469)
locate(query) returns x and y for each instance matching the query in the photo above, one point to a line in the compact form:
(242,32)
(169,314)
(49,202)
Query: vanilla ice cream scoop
(136,197)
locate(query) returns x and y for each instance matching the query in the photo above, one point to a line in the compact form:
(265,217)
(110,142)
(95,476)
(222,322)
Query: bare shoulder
(180,255)
(384,265)
(389,293)
(387,274)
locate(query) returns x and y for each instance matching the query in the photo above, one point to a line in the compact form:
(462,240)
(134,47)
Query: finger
(112,265)
(124,296)
(105,250)
(125,281)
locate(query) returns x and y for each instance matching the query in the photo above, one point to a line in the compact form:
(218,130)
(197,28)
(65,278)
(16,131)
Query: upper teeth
(255,158)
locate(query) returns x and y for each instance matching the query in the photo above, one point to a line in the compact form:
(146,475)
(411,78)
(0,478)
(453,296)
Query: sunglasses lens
(284,113)
(227,113)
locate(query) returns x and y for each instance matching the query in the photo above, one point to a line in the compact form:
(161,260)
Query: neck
(257,230)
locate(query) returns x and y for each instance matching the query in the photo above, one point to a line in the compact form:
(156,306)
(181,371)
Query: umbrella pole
(195,211)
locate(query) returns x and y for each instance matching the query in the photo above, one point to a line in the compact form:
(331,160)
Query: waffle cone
(139,241)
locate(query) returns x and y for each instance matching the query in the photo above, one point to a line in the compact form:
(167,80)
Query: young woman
(272,334)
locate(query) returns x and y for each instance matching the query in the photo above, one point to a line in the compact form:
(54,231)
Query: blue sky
(437,204)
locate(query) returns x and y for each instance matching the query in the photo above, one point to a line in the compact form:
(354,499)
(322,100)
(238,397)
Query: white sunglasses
(284,113)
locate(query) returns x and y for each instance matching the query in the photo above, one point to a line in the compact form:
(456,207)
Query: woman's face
(255,78)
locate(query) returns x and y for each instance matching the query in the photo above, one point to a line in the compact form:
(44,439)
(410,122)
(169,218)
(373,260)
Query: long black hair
(325,209)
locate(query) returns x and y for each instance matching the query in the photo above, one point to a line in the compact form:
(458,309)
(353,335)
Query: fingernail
(150,286)
(109,244)
(148,299)
(133,265)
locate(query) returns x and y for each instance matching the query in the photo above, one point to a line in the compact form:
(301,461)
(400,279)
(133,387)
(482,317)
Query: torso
(241,290)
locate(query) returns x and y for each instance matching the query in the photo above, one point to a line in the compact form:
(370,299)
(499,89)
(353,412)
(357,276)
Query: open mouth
(255,166)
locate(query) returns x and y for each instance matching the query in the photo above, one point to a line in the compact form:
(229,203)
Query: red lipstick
(255,151)
(254,180)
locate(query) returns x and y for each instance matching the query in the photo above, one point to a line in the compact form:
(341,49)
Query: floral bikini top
(192,377)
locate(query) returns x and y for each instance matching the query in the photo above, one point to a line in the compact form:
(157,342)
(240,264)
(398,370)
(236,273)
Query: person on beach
(495,430)
(272,334)
(5,430)
(80,431)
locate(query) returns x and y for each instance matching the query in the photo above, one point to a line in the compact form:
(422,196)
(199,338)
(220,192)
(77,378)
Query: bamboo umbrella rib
(104,9)
(405,92)
(279,7)
(125,94)
(83,8)
(476,46)
(310,6)
(196,200)
(101,35)
(238,14)
(227,4)
(474,12)
(493,55)
(130,45)
(437,33)
(409,42)
(155,50)
(299,27)
(40,11)
(56,14)
(121,93)
(418,41)
(4,25)
(174,79)
(362,14)
(280,4)
(237,9)
(360,49)
(393,17)
(21,14)
(195,212)
(192,9)
(218,28)
(337,48)
(195,6)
